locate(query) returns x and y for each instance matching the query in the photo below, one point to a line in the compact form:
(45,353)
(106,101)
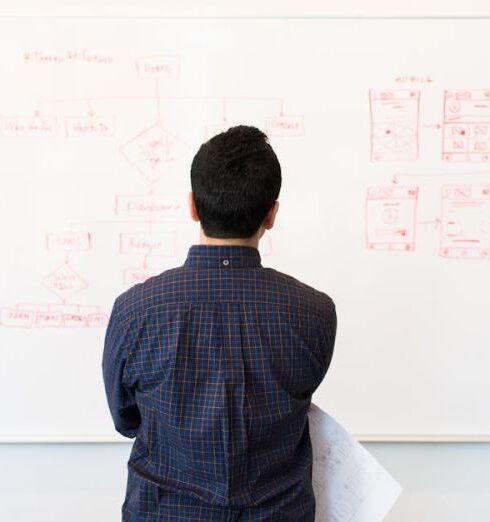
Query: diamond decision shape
(154,152)
(64,282)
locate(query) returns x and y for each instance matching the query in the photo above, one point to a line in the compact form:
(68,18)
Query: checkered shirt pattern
(211,366)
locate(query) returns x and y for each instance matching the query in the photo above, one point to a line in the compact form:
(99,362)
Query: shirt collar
(223,256)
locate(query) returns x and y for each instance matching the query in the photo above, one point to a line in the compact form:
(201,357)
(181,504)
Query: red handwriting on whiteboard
(35,126)
(90,126)
(465,224)
(65,282)
(161,244)
(18,318)
(52,315)
(70,56)
(154,152)
(414,78)
(466,127)
(391,217)
(164,66)
(394,125)
(151,205)
(68,241)
(284,126)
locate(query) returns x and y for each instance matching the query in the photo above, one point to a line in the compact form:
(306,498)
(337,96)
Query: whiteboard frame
(249,8)
(252,10)
(360,438)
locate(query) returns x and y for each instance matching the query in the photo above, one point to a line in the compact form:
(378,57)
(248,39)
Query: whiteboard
(382,128)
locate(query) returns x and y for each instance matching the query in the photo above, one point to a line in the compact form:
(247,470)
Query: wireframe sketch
(466,128)
(394,125)
(465,224)
(391,218)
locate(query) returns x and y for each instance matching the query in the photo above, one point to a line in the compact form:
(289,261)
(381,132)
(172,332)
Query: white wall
(443,482)
(80,482)
(246,8)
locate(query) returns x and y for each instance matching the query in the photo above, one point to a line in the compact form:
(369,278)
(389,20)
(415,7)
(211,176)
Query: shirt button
(226,262)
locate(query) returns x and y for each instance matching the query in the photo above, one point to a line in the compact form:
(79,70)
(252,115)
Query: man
(211,365)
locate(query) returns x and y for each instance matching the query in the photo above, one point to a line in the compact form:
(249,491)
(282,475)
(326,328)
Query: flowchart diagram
(146,224)
(463,209)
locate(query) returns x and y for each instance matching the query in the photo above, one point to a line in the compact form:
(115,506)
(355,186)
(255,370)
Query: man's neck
(249,241)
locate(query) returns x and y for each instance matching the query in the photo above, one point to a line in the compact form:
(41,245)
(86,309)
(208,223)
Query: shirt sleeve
(329,336)
(119,391)
(325,343)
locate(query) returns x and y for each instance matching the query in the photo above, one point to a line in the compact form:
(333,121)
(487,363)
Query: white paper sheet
(349,483)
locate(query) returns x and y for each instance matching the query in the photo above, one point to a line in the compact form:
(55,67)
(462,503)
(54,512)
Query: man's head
(235,179)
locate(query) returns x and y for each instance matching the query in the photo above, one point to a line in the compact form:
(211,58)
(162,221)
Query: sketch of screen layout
(394,125)
(466,126)
(465,224)
(390,218)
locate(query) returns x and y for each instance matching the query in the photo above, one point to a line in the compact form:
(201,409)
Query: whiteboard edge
(358,437)
(422,438)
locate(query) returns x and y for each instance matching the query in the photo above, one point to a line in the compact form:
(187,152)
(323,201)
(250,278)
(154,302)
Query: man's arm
(325,344)
(120,394)
(330,334)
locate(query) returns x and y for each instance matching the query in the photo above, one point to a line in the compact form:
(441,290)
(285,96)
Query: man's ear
(269,219)
(192,207)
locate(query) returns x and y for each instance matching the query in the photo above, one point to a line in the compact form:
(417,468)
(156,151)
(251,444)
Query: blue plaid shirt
(211,366)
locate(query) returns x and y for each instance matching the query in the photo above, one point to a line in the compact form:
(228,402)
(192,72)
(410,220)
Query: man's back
(217,361)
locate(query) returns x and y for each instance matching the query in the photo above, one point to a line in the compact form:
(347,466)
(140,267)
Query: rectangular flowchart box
(17,318)
(29,126)
(285,126)
(90,126)
(68,241)
(158,205)
(162,66)
(155,244)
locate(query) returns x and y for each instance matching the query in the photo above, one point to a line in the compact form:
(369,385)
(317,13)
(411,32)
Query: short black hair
(235,178)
